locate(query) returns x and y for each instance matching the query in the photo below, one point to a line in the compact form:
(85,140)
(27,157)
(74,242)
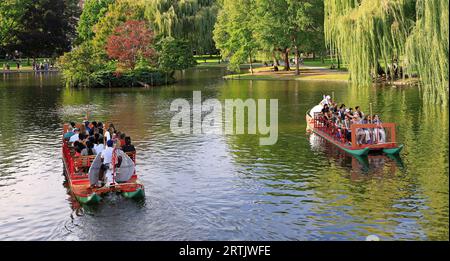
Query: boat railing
(380,135)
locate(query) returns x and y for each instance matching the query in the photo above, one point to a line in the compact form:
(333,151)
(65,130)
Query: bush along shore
(131,55)
(135,78)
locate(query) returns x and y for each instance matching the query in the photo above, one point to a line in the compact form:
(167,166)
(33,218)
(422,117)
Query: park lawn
(248,76)
(326,64)
(313,74)
(14,68)
(326,77)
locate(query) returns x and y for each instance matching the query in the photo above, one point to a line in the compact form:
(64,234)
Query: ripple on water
(221,187)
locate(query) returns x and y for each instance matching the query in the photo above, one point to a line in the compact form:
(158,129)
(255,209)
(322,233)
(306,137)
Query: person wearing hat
(69,133)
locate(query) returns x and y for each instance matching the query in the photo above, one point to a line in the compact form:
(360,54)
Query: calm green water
(222,187)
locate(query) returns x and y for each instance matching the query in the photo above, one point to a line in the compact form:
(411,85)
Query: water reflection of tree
(384,199)
(423,128)
(27,111)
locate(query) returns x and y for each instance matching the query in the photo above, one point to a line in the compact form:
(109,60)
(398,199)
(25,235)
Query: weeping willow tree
(192,20)
(427,48)
(375,35)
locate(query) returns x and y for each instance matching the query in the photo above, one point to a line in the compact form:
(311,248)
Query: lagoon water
(223,187)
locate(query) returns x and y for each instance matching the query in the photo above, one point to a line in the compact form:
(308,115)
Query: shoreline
(28,71)
(311,73)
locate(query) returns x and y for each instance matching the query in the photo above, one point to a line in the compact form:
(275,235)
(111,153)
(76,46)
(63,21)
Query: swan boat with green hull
(77,168)
(315,124)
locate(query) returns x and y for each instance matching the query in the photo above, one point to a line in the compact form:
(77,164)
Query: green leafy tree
(79,64)
(191,20)
(282,25)
(372,34)
(234,32)
(175,54)
(47,27)
(117,14)
(11,14)
(93,10)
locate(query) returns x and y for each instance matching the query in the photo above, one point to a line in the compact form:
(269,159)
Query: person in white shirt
(109,133)
(99,147)
(75,137)
(107,155)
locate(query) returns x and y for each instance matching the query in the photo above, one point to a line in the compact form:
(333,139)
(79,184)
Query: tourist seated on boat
(349,112)
(69,133)
(109,133)
(89,149)
(122,139)
(83,130)
(82,138)
(362,134)
(333,107)
(106,157)
(360,113)
(92,128)
(100,128)
(326,112)
(342,111)
(367,131)
(128,147)
(78,147)
(98,143)
(348,128)
(97,132)
(75,136)
(379,133)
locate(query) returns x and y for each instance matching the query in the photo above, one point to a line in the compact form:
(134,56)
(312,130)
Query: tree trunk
(275,60)
(338,61)
(251,63)
(297,61)
(286,60)
(314,56)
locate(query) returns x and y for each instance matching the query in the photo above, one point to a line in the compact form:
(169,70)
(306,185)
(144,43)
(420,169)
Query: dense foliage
(191,20)
(130,43)
(175,54)
(93,10)
(245,27)
(37,27)
(392,37)
(126,44)
(378,39)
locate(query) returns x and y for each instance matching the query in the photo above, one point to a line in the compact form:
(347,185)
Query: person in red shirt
(122,139)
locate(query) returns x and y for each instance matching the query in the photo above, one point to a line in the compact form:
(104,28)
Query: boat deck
(389,145)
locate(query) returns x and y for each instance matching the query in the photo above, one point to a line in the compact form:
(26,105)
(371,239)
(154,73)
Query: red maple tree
(130,42)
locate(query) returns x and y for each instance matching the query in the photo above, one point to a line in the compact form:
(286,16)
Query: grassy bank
(306,73)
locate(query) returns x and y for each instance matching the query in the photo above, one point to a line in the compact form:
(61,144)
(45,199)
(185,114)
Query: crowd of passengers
(91,138)
(339,119)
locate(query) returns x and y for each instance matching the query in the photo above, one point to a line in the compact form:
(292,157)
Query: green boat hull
(139,193)
(361,152)
(91,199)
(393,150)
(357,152)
